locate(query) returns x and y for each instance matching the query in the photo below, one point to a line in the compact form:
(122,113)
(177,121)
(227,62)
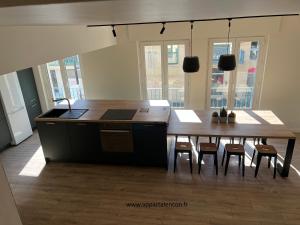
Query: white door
(240,88)
(162,75)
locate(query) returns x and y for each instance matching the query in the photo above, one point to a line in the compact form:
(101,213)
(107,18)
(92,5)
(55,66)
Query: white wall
(281,78)
(9,214)
(23,47)
(111,73)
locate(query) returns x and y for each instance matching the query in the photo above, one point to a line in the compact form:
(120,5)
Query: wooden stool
(234,149)
(265,150)
(183,147)
(210,149)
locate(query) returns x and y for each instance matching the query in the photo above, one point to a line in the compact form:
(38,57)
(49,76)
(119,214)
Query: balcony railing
(243,97)
(176,96)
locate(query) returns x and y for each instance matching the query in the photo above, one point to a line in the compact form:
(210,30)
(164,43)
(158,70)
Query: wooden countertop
(159,111)
(249,123)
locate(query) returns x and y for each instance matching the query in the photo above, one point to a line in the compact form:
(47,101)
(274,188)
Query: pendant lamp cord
(229,25)
(192,26)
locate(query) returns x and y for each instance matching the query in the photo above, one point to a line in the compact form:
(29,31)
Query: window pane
(246,74)
(74,77)
(219,79)
(153,71)
(176,54)
(55,79)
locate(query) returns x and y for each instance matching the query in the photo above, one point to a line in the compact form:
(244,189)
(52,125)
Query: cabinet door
(84,142)
(55,140)
(150,144)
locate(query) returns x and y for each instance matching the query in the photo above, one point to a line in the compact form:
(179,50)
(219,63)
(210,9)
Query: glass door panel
(153,70)
(246,74)
(220,80)
(74,77)
(176,77)
(56,81)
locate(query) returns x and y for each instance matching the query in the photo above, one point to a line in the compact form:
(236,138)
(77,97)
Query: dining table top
(248,124)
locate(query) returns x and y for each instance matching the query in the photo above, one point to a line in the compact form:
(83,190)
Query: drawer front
(116,141)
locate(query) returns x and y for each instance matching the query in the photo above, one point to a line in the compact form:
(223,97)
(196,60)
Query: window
(74,77)
(161,72)
(65,78)
(237,89)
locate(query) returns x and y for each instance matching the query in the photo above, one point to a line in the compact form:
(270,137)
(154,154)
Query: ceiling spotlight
(113,31)
(163,28)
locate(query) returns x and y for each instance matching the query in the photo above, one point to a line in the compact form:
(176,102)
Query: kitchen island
(107,131)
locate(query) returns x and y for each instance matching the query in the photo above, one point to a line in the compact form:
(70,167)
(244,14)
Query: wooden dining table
(248,124)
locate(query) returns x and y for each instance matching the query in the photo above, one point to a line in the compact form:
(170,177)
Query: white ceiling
(125,11)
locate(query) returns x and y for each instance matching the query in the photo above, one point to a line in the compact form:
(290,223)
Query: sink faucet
(61,99)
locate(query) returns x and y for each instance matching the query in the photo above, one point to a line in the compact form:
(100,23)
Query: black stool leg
(191,161)
(240,161)
(243,166)
(200,156)
(252,157)
(226,165)
(275,166)
(257,164)
(216,162)
(175,159)
(269,162)
(223,157)
(209,139)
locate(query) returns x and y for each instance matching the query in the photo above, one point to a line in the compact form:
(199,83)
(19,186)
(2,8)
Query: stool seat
(266,149)
(208,147)
(183,146)
(235,149)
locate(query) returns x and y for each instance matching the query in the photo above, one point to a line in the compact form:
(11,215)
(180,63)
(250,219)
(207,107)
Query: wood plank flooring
(64,194)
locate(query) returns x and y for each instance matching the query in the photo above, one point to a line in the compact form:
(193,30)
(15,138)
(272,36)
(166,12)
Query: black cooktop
(119,114)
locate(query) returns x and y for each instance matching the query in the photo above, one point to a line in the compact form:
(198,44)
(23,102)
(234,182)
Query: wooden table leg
(284,170)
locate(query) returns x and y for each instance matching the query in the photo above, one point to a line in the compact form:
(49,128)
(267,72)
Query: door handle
(50,123)
(114,131)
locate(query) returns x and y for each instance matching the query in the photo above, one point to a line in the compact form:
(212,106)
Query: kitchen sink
(73,114)
(54,113)
(64,113)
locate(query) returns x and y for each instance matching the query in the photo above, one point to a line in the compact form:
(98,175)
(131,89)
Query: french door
(238,89)
(162,76)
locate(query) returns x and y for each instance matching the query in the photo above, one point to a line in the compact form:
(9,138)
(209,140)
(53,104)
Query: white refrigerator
(14,107)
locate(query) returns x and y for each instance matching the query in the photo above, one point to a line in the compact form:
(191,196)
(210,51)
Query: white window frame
(164,68)
(233,74)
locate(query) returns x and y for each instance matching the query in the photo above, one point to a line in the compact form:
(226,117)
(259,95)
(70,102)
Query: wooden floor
(64,194)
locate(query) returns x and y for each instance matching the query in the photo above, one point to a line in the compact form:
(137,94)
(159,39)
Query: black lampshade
(191,64)
(227,62)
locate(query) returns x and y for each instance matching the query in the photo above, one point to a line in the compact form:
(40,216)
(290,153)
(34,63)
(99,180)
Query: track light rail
(194,20)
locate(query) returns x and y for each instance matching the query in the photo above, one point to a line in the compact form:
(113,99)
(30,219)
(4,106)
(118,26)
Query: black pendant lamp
(191,63)
(227,62)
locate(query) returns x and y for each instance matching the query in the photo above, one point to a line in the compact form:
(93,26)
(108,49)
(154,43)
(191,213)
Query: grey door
(30,94)
(5,137)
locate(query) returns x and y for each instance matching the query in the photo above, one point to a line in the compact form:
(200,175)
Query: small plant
(231,117)
(215,114)
(223,112)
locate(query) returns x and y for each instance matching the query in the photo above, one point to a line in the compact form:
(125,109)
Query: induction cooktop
(119,114)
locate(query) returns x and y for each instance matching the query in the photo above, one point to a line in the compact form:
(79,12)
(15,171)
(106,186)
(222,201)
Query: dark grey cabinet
(150,144)
(55,140)
(5,137)
(30,94)
(84,142)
